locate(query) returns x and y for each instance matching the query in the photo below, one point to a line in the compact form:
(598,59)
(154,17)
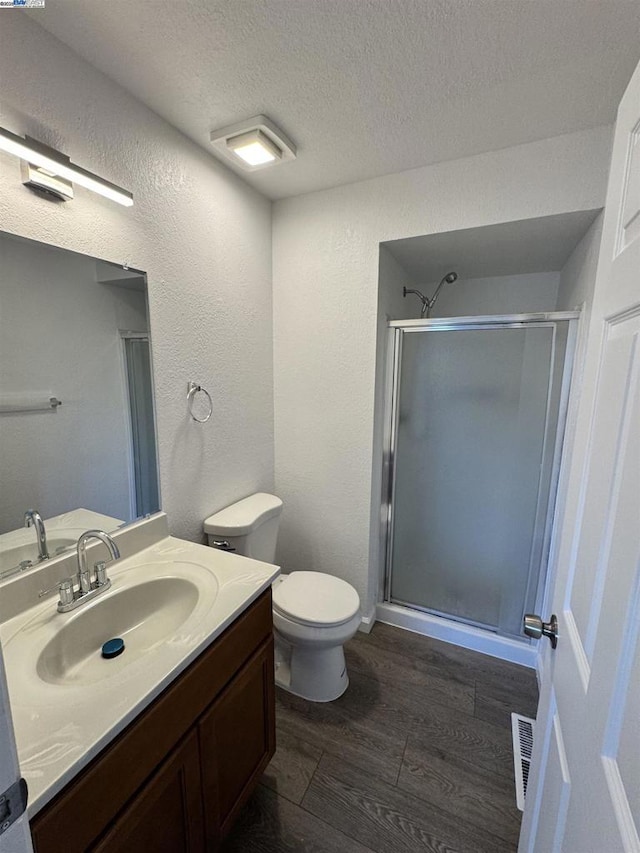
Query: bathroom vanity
(158,752)
(177,776)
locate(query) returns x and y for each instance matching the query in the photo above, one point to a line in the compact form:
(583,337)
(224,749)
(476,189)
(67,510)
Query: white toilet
(314,614)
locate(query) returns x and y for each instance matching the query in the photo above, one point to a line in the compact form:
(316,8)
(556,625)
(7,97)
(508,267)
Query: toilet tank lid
(244,516)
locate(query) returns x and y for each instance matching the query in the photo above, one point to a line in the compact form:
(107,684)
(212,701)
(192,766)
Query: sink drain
(113,648)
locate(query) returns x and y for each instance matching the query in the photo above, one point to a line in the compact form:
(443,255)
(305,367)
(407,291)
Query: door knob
(536,628)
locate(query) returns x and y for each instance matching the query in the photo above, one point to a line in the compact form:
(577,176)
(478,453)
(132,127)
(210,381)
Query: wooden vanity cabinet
(237,741)
(166,816)
(178,775)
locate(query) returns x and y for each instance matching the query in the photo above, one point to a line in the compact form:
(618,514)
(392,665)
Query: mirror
(77,430)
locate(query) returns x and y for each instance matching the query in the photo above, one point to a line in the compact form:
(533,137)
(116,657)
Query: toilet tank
(250,526)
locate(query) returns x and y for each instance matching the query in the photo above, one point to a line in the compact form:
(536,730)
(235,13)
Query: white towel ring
(194,389)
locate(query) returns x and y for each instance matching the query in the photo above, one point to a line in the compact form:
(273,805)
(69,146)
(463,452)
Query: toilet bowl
(314,613)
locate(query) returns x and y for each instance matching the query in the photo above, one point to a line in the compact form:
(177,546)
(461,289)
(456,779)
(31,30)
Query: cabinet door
(166,816)
(237,741)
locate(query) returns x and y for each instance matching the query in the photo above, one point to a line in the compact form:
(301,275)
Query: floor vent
(522,733)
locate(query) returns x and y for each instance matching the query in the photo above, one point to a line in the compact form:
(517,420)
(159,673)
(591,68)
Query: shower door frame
(393,377)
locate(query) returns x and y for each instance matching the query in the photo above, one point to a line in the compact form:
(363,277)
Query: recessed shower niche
(477,333)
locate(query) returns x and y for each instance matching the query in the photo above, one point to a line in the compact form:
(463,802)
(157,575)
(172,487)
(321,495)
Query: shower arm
(427,304)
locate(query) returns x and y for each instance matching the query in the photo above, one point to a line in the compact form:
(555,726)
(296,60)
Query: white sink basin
(157,608)
(167,601)
(12,557)
(142,615)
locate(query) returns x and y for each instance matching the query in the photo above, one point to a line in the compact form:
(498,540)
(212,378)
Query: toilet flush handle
(223,545)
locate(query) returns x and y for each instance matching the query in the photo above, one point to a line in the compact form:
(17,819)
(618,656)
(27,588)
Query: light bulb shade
(57,164)
(254,147)
(255,143)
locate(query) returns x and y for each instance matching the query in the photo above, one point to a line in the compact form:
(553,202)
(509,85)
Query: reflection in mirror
(73,330)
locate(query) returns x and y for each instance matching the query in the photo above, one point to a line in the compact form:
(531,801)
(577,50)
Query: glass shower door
(475,427)
(143,437)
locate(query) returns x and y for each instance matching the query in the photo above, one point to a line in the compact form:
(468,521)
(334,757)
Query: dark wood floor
(416,756)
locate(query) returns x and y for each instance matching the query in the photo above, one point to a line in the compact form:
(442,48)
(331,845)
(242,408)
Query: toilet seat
(315,599)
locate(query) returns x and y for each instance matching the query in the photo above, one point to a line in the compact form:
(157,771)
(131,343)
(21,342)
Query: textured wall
(325,267)
(578,275)
(577,284)
(201,234)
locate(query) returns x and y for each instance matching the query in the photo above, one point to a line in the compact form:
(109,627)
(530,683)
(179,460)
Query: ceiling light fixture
(254,148)
(254,143)
(43,165)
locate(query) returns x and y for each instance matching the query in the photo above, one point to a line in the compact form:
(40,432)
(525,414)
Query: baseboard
(458,634)
(367,622)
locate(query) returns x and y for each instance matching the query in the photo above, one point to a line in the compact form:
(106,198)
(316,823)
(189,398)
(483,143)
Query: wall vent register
(522,733)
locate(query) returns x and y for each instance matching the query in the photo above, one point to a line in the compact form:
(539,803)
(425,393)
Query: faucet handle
(65,590)
(100,569)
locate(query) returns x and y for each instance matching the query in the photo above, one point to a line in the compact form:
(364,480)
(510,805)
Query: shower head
(427,304)
(449,278)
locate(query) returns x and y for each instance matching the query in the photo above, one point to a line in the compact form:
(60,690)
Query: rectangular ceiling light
(254,143)
(57,164)
(254,148)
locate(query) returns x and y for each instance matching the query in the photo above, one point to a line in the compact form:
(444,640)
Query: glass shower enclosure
(143,437)
(477,413)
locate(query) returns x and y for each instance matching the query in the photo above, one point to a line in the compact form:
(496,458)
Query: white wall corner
(368,620)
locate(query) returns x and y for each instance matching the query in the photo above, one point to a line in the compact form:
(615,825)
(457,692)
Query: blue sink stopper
(113,648)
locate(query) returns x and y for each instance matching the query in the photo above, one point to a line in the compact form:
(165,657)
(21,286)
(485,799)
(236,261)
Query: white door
(584,793)
(16,839)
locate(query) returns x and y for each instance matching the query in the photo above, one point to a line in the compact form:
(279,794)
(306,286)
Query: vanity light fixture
(254,143)
(49,170)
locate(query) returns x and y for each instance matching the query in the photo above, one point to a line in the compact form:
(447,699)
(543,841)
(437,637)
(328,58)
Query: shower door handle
(536,628)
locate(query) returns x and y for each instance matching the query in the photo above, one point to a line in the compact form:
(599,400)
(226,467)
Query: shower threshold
(449,630)
(441,614)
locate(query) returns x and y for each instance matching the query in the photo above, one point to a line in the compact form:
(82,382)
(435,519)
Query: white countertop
(60,726)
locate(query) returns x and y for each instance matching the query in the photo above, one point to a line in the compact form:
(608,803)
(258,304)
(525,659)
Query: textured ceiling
(511,248)
(364,87)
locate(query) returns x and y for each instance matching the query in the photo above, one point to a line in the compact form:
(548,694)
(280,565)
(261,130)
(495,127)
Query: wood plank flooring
(416,756)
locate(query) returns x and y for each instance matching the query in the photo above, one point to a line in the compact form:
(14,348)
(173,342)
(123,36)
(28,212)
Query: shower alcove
(473,402)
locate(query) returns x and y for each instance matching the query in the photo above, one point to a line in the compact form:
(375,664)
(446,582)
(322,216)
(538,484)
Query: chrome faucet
(32,518)
(70,598)
(83,570)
